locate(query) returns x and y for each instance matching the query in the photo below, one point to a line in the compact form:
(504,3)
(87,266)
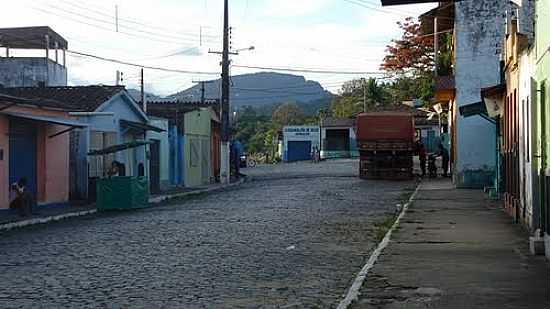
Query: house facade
(299,142)
(541,118)
(338,139)
(159,155)
(197,137)
(196,123)
(113,119)
(34,144)
(46,69)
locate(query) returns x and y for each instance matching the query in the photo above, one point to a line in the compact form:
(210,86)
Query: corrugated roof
(77,98)
(31,38)
(50,119)
(338,122)
(169,109)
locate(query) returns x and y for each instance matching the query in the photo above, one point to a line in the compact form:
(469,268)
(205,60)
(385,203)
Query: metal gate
(299,151)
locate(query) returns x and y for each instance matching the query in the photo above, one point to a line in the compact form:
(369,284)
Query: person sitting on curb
(24,201)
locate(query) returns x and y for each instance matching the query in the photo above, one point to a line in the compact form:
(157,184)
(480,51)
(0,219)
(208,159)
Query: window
(100,164)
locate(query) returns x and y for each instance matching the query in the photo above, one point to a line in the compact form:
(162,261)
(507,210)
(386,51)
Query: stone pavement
(455,249)
(273,242)
(9,219)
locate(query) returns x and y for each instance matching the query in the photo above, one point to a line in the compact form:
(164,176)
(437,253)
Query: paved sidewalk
(455,249)
(9,219)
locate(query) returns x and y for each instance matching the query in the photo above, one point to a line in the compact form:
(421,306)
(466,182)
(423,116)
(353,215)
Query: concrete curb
(154,201)
(354,290)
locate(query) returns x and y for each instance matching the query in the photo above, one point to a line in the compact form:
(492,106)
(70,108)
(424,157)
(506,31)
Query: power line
(104,28)
(365,5)
(124,26)
(140,65)
(145,34)
(132,21)
(302,70)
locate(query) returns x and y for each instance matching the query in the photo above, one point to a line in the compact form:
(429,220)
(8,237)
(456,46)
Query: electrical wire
(105,28)
(302,70)
(140,65)
(370,7)
(132,21)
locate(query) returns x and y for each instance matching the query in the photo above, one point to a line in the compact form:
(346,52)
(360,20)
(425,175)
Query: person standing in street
(444,159)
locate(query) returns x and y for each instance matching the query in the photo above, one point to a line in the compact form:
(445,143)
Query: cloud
(286,33)
(293,8)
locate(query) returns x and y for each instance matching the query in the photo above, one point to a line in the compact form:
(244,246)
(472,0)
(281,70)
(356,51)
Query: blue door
(23,153)
(299,151)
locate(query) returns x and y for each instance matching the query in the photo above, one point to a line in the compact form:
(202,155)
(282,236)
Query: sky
(333,35)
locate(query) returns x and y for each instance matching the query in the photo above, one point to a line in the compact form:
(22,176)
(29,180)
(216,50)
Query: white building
(299,142)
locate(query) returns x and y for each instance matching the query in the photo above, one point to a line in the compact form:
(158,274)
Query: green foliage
(354,94)
(288,114)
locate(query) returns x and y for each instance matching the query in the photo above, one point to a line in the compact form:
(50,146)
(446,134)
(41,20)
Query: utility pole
(116,17)
(143,99)
(364,95)
(203,89)
(436,45)
(225,151)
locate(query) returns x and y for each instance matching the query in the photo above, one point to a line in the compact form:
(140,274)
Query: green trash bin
(122,193)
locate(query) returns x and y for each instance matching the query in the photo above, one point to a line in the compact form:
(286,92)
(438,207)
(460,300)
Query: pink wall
(52,159)
(57,165)
(4,167)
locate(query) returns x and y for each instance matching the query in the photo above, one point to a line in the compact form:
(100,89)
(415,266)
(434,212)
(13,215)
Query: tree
(350,102)
(410,60)
(288,114)
(412,54)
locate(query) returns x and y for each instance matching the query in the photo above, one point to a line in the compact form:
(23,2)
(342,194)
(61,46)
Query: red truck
(386,145)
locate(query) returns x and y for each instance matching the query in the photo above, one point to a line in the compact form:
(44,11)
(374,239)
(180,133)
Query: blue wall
(123,107)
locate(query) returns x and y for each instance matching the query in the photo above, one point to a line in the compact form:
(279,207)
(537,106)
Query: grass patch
(381,228)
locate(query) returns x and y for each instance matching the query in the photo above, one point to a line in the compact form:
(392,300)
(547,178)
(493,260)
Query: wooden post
(47,37)
(56,49)
(436,46)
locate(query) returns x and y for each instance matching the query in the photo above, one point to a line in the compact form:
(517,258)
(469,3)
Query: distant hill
(264,90)
(136,94)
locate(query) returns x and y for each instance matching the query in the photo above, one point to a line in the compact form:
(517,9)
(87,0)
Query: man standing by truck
(444,159)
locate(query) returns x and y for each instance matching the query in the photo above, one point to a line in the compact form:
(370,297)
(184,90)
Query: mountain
(136,94)
(263,90)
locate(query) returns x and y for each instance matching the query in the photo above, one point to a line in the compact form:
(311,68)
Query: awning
(475,109)
(139,126)
(70,123)
(49,119)
(119,147)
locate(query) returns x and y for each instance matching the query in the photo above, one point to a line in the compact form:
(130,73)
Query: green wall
(541,110)
(197,147)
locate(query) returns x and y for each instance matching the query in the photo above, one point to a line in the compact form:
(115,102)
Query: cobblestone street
(293,237)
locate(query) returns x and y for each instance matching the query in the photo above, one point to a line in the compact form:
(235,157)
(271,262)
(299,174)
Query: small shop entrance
(299,151)
(338,141)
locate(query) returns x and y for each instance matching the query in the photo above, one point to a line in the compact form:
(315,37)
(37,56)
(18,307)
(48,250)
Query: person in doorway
(24,201)
(444,159)
(114,170)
